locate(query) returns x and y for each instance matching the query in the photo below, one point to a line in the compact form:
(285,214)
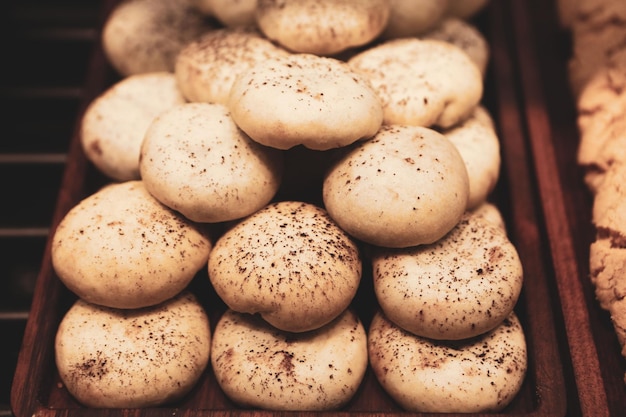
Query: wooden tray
(574,363)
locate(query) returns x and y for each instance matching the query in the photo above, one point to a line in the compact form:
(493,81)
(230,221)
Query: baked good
(112,358)
(147,35)
(195,160)
(304,99)
(477,141)
(207,67)
(407,186)
(322,27)
(461,286)
(413,17)
(259,366)
(114,123)
(423,82)
(480,374)
(239,13)
(601,106)
(466,36)
(490,212)
(288,262)
(109,250)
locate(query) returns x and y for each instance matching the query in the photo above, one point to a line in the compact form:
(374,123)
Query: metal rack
(45,47)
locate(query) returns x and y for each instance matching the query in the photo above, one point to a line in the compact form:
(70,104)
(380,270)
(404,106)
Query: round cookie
(478,143)
(463,285)
(423,82)
(114,124)
(322,27)
(147,35)
(413,17)
(304,99)
(109,250)
(239,13)
(195,160)
(259,366)
(111,358)
(481,374)
(207,67)
(609,205)
(466,36)
(290,263)
(406,186)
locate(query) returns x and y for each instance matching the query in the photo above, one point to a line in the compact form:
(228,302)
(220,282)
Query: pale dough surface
(110,358)
(207,67)
(322,27)
(120,247)
(262,367)
(305,99)
(195,160)
(147,35)
(114,124)
(289,262)
(463,285)
(406,186)
(480,374)
(423,82)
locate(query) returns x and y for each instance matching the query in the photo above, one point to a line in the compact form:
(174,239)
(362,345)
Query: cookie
(322,27)
(422,82)
(195,160)
(490,212)
(461,286)
(608,213)
(147,35)
(260,367)
(288,262)
(305,99)
(466,36)
(480,374)
(109,250)
(231,14)
(413,17)
(115,122)
(477,141)
(139,358)
(207,67)
(407,186)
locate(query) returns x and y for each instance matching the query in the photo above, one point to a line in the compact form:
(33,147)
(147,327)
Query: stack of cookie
(309,131)
(598,80)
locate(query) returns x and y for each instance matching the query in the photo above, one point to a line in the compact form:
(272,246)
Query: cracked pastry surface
(472,375)
(260,366)
(463,285)
(112,358)
(289,262)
